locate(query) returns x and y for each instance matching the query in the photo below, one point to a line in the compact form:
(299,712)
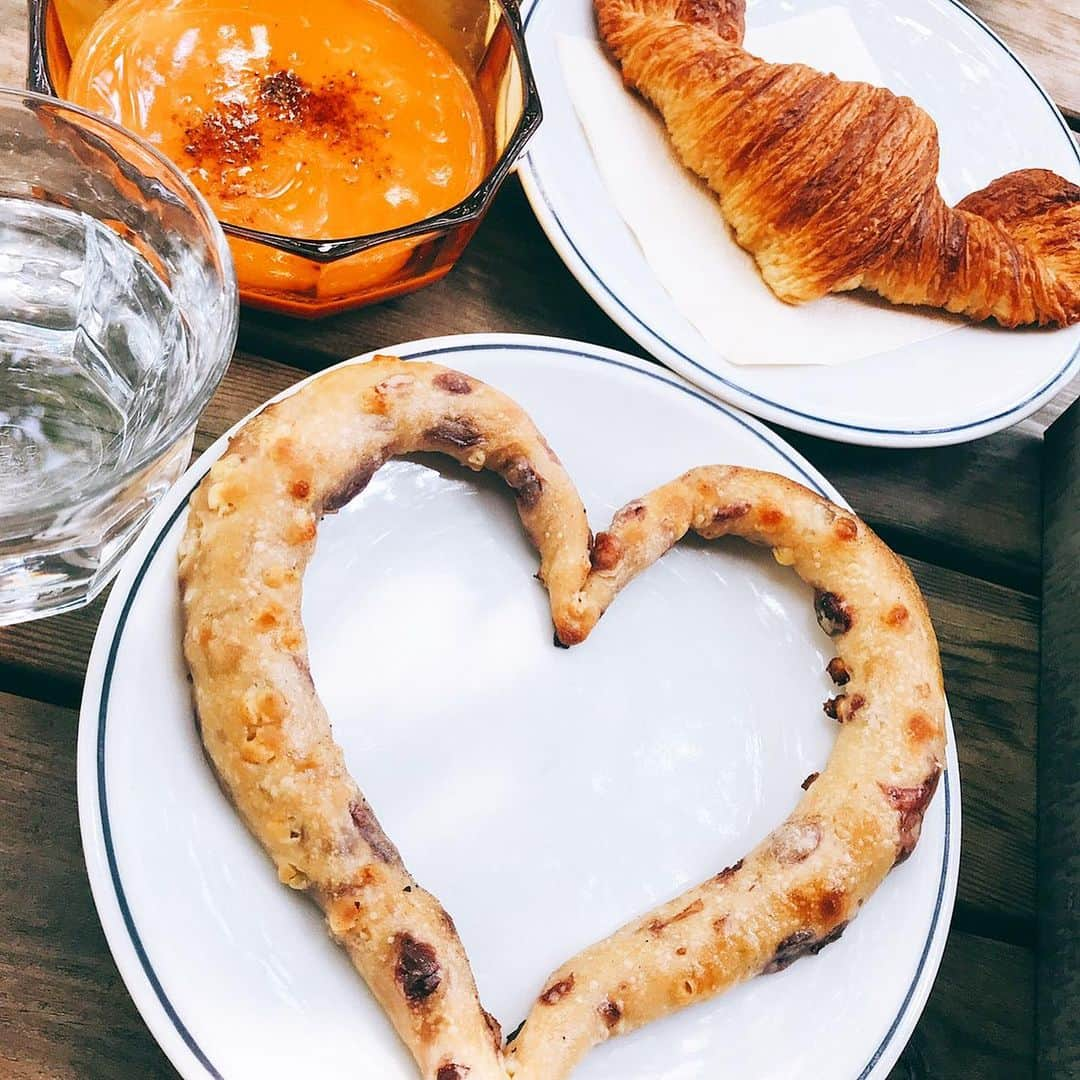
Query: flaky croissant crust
(832,185)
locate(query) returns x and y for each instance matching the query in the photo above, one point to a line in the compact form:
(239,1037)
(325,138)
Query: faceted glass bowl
(118,315)
(319,277)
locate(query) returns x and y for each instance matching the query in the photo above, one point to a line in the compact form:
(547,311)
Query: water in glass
(91,343)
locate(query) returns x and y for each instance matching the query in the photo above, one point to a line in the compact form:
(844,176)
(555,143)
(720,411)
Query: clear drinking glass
(118,311)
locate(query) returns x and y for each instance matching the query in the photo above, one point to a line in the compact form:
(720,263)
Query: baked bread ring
(251,531)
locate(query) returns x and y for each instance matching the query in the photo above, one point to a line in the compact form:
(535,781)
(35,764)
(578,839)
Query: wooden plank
(974,507)
(1045,35)
(64,1013)
(979,1022)
(989,645)
(47,659)
(1041,420)
(1059,751)
(250,382)
(989,640)
(911,497)
(12,43)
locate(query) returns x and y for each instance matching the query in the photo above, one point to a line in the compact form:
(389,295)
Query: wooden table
(967,518)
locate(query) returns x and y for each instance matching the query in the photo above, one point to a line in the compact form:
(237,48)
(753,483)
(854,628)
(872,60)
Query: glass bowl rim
(471,208)
(219,353)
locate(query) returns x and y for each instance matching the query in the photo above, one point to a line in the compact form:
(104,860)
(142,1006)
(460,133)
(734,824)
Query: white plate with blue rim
(993,117)
(546,796)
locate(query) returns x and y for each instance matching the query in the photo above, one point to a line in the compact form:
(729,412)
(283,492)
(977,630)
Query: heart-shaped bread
(251,532)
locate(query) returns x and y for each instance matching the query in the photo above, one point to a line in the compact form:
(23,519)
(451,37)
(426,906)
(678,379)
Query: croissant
(832,185)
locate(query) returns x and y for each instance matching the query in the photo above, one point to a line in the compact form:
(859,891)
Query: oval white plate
(545,796)
(993,117)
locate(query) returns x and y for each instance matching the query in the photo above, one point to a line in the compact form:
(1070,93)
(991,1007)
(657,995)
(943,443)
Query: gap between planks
(1058,970)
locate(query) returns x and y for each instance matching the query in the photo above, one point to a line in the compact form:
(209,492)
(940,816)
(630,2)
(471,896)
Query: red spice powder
(286,94)
(228,134)
(235,134)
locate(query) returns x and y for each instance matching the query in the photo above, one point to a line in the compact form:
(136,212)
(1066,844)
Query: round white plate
(993,117)
(546,796)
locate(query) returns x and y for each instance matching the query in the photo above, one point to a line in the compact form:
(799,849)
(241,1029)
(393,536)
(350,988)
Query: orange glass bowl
(312,278)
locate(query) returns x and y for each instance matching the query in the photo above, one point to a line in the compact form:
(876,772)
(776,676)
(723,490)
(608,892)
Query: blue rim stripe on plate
(103,803)
(527,160)
(103,707)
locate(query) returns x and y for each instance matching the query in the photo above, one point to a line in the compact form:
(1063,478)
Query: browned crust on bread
(860,815)
(250,533)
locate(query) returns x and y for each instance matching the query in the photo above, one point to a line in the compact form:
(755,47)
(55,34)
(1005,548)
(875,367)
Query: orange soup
(319,120)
